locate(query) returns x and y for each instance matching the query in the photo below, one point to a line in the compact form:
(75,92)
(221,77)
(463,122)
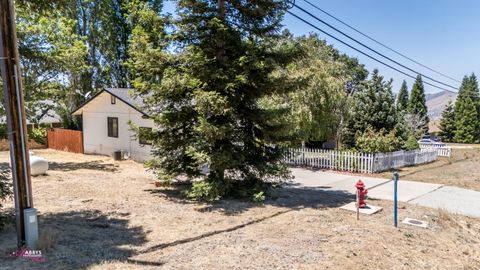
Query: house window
(144,136)
(113,99)
(112,123)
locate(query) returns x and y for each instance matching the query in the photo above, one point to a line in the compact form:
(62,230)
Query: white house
(106,126)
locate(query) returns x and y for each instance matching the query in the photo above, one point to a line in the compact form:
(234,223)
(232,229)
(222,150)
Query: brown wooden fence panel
(65,140)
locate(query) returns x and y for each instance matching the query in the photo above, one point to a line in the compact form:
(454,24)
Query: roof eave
(79,111)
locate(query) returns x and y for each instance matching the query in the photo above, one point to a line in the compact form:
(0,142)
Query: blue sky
(441,34)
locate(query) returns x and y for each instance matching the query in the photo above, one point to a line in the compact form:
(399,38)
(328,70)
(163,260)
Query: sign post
(395,184)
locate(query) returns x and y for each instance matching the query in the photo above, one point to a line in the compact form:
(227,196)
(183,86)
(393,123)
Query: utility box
(31,227)
(118,155)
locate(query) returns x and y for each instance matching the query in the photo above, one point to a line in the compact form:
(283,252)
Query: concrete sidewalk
(452,199)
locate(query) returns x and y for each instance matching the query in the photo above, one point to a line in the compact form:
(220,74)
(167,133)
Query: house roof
(123,94)
(44,117)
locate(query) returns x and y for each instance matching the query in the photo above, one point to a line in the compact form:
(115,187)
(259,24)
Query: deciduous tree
(70,48)
(320,103)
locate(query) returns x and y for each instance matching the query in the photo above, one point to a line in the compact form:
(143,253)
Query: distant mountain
(436,103)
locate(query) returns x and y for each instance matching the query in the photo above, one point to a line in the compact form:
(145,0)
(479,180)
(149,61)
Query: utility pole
(16,123)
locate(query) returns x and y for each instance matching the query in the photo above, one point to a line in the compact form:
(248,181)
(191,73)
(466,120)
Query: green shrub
(39,135)
(204,191)
(258,197)
(411,143)
(378,142)
(212,190)
(6,219)
(5,192)
(3,131)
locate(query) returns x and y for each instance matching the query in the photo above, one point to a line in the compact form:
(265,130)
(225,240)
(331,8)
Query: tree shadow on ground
(289,198)
(81,239)
(96,165)
(290,195)
(172,193)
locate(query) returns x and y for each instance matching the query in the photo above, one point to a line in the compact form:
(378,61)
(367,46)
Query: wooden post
(16,123)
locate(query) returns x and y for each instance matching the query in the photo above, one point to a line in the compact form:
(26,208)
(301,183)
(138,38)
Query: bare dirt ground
(461,170)
(97,214)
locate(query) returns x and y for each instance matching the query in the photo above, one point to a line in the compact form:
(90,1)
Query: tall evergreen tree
(447,123)
(402,98)
(205,96)
(417,103)
(373,107)
(466,130)
(467,111)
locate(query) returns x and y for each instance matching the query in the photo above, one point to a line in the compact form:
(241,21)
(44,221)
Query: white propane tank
(38,165)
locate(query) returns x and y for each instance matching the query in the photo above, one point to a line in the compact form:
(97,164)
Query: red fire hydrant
(361,191)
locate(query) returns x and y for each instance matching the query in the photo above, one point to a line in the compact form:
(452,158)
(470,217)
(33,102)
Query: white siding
(95,128)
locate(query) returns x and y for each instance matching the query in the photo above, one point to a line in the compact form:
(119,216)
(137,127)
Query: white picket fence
(356,161)
(399,159)
(442,149)
(331,159)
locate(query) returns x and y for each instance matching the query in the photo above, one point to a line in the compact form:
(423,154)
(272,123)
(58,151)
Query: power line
(373,50)
(367,55)
(380,43)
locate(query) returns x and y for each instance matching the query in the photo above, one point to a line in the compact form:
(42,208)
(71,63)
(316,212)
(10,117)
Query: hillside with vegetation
(437,102)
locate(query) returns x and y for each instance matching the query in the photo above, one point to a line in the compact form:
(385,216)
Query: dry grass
(47,239)
(445,219)
(461,170)
(97,214)
(463,145)
(4,145)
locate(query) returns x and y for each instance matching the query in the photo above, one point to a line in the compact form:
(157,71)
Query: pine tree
(466,130)
(447,124)
(467,111)
(373,107)
(402,98)
(417,103)
(205,96)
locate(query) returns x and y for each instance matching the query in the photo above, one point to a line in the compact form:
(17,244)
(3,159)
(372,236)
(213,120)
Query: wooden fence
(442,149)
(65,140)
(356,161)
